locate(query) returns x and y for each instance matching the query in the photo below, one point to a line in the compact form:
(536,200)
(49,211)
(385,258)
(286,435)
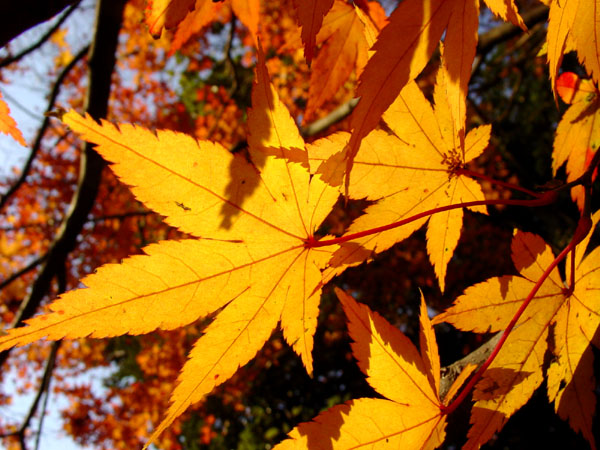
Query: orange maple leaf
(410,416)
(249,265)
(347,34)
(310,14)
(189,17)
(206,12)
(161,14)
(517,371)
(578,133)
(409,172)
(572,89)
(8,124)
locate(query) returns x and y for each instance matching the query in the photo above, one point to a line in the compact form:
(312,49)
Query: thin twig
(229,64)
(32,265)
(45,382)
(11,59)
(335,116)
(35,148)
(43,225)
(120,216)
(546,198)
(506,31)
(23,14)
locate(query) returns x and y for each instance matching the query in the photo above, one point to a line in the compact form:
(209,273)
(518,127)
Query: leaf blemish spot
(182,206)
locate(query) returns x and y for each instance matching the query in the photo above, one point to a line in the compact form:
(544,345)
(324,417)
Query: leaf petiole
(545,198)
(481,176)
(583,228)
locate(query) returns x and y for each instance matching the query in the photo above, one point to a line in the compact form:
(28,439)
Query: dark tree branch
(476,357)
(101,63)
(32,265)
(35,148)
(11,59)
(19,16)
(335,116)
(121,216)
(506,31)
(44,383)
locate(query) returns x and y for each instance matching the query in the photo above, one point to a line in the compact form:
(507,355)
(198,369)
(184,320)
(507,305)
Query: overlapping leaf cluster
(254,260)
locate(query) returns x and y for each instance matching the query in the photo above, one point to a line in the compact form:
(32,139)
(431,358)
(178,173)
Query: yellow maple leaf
(578,136)
(310,15)
(573,24)
(507,10)
(403,48)
(517,371)
(248,265)
(347,34)
(409,417)
(410,172)
(571,375)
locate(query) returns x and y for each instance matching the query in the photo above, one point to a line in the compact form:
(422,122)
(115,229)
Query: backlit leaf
(345,39)
(586,34)
(310,17)
(410,172)
(204,13)
(507,10)
(554,322)
(249,264)
(573,24)
(410,417)
(460,44)
(403,48)
(166,14)
(578,137)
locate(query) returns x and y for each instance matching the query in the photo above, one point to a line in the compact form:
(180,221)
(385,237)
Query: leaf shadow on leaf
(175,12)
(497,382)
(576,399)
(291,154)
(550,353)
(504,286)
(240,187)
(332,170)
(377,342)
(526,252)
(350,253)
(590,109)
(402,49)
(330,430)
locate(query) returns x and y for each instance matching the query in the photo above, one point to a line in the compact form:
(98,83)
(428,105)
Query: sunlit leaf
(409,417)
(555,321)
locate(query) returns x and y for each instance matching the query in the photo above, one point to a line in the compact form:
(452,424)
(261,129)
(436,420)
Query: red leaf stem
(545,199)
(512,186)
(583,227)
